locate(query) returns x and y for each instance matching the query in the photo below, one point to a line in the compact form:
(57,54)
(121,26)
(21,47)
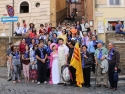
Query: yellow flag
(77,64)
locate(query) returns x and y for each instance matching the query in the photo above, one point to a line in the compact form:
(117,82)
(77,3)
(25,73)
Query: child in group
(26,63)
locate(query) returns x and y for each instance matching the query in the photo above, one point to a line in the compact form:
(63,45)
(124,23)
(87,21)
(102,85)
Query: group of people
(51,48)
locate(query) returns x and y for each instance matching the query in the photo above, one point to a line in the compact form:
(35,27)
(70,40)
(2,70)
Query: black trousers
(113,83)
(73,74)
(93,65)
(42,72)
(86,75)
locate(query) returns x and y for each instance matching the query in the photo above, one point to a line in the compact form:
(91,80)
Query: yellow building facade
(106,14)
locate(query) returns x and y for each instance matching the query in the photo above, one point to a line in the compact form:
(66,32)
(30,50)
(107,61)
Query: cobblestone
(33,88)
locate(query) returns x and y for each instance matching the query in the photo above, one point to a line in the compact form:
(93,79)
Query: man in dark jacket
(113,59)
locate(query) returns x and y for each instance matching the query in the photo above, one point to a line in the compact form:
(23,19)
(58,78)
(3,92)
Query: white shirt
(24,30)
(59,32)
(83,27)
(66,49)
(19,30)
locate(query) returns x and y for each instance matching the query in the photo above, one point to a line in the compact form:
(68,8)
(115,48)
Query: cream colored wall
(108,13)
(102,2)
(37,16)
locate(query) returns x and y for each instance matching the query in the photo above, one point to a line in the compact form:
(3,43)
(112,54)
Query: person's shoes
(65,84)
(98,85)
(84,85)
(115,89)
(14,82)
(38,83)
(111,88)
(60,83)
(87,86)
(105,86)
(9,79)
(45,82)
(70,84)
(76,85)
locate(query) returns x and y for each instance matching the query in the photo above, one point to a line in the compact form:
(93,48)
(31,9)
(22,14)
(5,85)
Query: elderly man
(18,30)
(85,39)
(100,54)
(113,59)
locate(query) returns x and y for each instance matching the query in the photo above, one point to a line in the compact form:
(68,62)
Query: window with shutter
(117,2)
(111,2)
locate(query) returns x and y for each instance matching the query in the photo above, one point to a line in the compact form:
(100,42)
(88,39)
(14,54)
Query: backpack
(65,73)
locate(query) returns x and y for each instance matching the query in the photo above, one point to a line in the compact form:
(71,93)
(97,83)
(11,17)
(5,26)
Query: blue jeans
(120,33)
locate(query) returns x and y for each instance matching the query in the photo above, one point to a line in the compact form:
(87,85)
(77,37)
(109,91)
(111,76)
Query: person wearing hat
(54,76)
(100,55)
(8,62)
(114,60)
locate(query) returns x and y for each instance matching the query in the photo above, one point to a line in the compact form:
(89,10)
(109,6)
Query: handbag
(33,74)
(89,61)
(116,76)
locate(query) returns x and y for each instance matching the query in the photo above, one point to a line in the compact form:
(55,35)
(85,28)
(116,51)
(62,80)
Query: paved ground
(33,88)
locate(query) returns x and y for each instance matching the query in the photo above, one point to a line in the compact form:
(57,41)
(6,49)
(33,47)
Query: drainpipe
(12,22)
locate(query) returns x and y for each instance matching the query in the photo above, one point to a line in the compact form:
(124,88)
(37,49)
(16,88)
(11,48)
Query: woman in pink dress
(54,75)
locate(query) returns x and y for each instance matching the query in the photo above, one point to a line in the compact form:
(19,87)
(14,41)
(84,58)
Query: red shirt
(42,30)
(32,35)
(22,48)
(49,30)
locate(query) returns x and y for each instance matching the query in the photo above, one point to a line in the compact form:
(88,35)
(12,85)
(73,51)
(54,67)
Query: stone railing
(4,44)
(119,41)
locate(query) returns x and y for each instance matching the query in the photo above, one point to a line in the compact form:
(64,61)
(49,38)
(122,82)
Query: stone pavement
(33,88)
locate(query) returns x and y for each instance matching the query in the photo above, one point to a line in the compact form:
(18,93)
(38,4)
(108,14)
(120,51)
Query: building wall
(3,48)
(105,12)
(36,15)
(88,5)
(58,11)
(61,10)
(79,6)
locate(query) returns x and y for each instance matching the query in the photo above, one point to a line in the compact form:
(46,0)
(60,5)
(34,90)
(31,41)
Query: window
(24,7)
(37,4)
(114,2)
(112,24)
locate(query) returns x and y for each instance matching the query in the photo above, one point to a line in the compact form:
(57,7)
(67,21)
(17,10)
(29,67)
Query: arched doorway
(24,7)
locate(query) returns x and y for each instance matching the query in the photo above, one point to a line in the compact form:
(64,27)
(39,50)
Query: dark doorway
(24,7)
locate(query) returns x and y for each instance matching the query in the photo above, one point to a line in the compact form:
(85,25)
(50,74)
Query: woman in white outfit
(54,76)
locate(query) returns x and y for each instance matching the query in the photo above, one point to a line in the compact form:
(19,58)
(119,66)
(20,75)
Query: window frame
(114,2)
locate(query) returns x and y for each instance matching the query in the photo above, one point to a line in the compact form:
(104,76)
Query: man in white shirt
(18,30)
(84,26)
(63,51)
